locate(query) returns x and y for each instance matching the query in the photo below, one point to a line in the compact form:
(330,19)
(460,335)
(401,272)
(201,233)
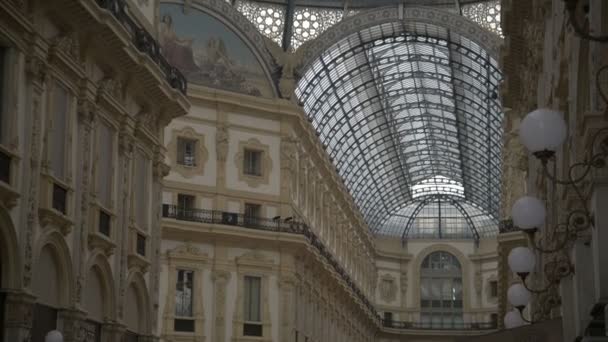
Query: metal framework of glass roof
(409,113)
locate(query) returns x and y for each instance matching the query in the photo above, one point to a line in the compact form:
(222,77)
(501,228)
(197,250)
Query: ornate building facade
(84,99)
(273,201)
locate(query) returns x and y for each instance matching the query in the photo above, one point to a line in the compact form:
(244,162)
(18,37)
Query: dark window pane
(60,196)
(45,320)
(252,329)
(141,245)
(186,325)
(252,162)
(104,223)
(494,288)
(5,167)
(185,206)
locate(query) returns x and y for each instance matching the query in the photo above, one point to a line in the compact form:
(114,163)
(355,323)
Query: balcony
(259,223)
(439,326)
(145,43)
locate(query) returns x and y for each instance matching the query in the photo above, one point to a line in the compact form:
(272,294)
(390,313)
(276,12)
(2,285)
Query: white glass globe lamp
(513,319)
(543,131)
(53,336)
(518,296)
(528,213)
(522,261)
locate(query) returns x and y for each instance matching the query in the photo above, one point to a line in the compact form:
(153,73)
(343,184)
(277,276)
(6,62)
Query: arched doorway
(136,312)
(51,284)
(441,299)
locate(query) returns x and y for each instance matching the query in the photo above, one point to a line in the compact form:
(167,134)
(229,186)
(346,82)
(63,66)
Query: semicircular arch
(98,263)
(464,266)
(51,244)
(139,303)
(313,49)
(241,27)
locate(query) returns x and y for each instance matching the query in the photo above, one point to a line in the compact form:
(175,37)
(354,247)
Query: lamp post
(542,132)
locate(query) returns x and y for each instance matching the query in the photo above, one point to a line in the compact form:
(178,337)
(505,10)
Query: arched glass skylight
(409,113)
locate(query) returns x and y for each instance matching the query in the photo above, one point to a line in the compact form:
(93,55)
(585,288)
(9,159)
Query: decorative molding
(387,287)
(201,153)
(251,180)
(187,252)
(255,258)
(96,240)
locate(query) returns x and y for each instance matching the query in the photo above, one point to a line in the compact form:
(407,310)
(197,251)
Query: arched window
(441,291)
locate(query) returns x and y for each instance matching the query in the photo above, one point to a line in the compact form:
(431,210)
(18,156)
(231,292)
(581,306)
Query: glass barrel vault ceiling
(409,114)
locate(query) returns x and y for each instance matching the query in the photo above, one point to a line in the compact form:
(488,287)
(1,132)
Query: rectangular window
(388,319)
(185,205)
(141,202)
(253,319)
(60,199)
(252,162)
(252,213)
(186,152)
(5,168)
(141,245)
(105,163)
(104,223)
(59,130)
(183,293)
(494,288)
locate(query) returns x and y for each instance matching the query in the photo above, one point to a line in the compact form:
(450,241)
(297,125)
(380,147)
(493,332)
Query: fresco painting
(209,53)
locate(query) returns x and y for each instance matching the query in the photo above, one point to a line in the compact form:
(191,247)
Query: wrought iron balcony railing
(293,227)
(145,43)
(439,325)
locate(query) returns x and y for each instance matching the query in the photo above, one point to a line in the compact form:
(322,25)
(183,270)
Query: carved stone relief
(388,288)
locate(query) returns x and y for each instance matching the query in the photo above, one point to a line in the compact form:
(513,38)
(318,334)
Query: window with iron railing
(252,213)
(185,205)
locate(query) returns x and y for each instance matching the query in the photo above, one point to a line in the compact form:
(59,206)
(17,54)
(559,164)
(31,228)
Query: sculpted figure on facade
(221,142)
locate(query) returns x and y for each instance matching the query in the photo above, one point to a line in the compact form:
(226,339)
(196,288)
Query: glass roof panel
(409,114)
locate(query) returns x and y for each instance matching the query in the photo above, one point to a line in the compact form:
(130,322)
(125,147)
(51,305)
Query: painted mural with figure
(209,53)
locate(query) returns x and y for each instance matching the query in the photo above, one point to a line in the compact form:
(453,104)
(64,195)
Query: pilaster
(220,280)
